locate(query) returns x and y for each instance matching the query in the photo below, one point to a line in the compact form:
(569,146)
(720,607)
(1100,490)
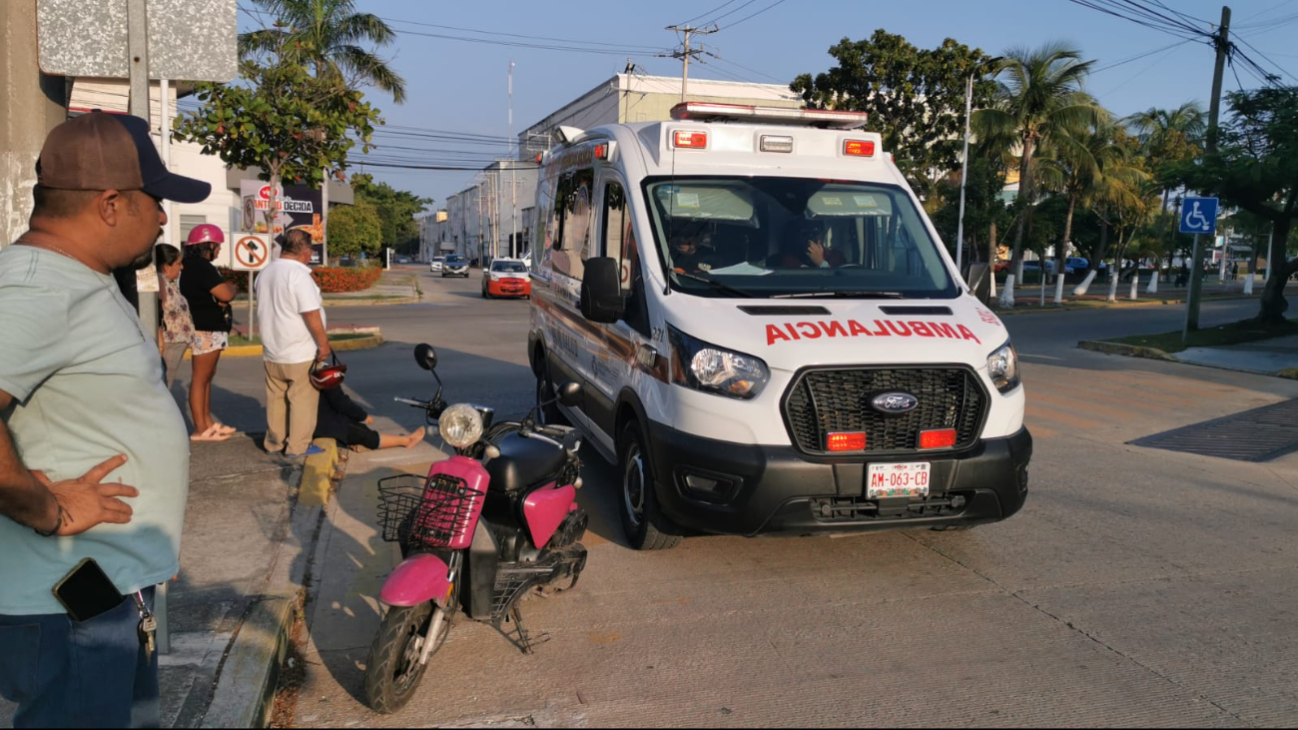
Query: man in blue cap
(94,457)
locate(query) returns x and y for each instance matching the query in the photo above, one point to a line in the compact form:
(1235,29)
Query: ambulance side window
(619,243)
(573,205)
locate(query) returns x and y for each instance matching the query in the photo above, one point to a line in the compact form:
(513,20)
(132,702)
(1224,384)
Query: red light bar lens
(846,442)
(859,148)
(939,439)
(601,152)
(693,140)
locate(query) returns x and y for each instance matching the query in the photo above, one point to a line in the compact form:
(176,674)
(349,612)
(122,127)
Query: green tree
(325,34)
(915,98)
(985,208)
(1087,166)
(279,118)
(1169,137)
(356,228)
(396,210)
(1255,168)
(1039,99)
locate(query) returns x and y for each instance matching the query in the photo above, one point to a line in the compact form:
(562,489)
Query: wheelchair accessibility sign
(1199,215)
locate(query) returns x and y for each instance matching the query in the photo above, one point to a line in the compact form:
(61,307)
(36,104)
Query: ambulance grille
(821,402)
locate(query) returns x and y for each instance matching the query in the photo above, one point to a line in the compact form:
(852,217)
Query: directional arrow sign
(1199,215)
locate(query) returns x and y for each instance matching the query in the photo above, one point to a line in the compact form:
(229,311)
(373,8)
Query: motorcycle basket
(416,511)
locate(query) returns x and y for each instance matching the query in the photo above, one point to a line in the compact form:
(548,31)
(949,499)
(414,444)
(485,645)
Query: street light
(964,167)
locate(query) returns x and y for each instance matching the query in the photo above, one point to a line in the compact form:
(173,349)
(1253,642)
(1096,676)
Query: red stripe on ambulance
(882,328)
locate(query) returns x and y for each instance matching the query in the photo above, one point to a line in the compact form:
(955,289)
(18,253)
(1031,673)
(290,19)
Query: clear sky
(460,87)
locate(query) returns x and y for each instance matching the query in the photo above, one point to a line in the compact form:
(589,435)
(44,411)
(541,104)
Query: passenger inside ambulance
(804,246)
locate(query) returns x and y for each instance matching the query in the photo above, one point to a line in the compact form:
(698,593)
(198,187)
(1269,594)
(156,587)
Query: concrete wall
(31,104)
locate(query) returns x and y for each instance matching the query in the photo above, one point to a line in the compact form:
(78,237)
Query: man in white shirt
(292,321)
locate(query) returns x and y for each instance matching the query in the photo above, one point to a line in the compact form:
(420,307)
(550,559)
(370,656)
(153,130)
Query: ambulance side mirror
(601,290)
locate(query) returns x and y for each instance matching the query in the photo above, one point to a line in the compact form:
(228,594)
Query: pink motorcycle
(495,522)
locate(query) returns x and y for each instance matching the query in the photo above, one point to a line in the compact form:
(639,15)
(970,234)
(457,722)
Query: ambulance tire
(952,528)
(550,415)
(646,527)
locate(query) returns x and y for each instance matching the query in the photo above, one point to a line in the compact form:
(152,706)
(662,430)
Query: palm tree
(1039,99)
(1170,135)
(325,34)
(1090,166)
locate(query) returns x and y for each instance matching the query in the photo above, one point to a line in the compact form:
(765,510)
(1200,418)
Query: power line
(520,35)
(1277,6)
(744,68)
(521,44)
(1137,57)
(731,12)
(713,10)
(754,15)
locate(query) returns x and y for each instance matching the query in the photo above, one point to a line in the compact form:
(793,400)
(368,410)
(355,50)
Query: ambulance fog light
(1003,368)
(713,369)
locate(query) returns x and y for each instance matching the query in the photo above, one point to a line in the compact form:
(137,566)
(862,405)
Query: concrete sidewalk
(1270,357)
(241,569)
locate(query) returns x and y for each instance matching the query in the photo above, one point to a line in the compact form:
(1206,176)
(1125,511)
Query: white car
(768,331)
(435,266)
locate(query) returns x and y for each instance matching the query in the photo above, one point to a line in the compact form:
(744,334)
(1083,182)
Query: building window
(189,223)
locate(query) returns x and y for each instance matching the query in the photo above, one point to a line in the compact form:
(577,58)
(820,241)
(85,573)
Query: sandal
(224,429)
(211,434)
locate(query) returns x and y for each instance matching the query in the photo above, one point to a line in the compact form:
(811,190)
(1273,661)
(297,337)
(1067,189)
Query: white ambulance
(770,335)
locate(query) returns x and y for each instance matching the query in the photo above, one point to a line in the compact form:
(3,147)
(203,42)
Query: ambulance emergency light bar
(702,111)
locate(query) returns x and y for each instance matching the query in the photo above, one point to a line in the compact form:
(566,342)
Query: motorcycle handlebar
(413,402)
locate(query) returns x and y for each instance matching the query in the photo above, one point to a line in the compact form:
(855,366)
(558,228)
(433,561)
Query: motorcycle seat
(523,462)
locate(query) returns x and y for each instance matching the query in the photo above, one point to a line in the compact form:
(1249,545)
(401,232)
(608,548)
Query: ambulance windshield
(779,237)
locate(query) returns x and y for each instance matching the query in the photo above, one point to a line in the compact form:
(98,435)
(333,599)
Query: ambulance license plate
(909,479)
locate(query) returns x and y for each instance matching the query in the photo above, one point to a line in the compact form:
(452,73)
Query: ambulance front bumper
(721,487)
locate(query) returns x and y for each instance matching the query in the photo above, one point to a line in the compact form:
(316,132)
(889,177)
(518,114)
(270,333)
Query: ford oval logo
(894,403)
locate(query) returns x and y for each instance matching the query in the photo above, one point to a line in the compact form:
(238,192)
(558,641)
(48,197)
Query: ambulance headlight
(1003,367)
(699,365)
(460,425)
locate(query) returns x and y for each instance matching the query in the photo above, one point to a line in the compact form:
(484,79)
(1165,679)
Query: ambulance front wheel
(646,527)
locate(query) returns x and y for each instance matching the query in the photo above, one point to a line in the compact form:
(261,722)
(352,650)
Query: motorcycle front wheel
(393,671)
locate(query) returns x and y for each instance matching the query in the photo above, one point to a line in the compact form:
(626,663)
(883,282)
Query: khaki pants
(291,403)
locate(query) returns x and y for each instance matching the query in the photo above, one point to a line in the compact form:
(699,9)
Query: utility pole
(513,193)
(1222,42)
(685,54)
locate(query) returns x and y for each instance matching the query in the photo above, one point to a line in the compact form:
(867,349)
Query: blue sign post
(1198,216)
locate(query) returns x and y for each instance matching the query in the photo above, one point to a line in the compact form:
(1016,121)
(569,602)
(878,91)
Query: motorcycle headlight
(460,425)
(1003,367)
(713,369)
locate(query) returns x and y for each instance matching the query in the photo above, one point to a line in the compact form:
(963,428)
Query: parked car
(455,265)
(435,266)
(506,278)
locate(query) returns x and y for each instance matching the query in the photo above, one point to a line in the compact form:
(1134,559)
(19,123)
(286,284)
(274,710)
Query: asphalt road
(1137,587)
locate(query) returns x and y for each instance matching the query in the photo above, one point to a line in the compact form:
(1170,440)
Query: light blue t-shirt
(87,385)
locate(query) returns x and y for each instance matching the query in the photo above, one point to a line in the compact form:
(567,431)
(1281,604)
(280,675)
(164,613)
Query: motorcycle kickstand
(524,638)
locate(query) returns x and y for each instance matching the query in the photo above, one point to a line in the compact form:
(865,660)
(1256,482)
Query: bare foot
(414,438)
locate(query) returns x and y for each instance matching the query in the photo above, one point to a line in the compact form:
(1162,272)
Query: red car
(507,278)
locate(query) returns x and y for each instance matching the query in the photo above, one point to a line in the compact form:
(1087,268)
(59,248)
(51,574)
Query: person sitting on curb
(340,419)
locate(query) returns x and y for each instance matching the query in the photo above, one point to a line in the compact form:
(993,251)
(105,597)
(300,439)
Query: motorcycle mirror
(570,394)
(426,356)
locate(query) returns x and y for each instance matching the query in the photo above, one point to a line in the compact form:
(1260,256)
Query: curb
(317,475)
(346,302)
(244,695)
(1118,348)
(1034,308)
(360,343)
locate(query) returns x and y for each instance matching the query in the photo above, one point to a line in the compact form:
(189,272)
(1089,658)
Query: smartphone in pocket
(86,591)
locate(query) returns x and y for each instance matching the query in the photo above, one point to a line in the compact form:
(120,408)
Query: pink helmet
(205,233)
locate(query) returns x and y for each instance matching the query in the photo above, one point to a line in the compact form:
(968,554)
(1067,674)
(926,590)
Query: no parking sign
(251,252)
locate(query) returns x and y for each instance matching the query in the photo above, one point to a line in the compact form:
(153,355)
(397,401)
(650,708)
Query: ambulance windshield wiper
(841,294)
(715,284)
